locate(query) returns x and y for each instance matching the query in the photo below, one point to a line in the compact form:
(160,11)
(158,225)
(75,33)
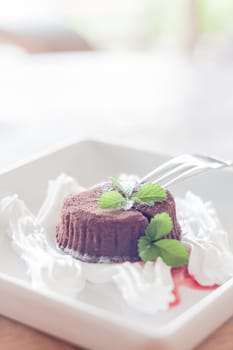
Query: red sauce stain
(182,278)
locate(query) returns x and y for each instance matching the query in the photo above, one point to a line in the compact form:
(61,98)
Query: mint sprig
(151,246)
(150,193)
(172,252)
(159,226)
(147,194)
(111,200)
(147,251)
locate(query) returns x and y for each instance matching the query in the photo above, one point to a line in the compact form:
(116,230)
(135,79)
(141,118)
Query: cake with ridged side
(91,234)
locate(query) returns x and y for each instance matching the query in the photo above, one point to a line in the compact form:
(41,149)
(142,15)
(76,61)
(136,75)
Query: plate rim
(154,333)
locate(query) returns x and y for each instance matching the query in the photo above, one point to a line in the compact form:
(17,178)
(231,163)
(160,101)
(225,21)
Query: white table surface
(162,102)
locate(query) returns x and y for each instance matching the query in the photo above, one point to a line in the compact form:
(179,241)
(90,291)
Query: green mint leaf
(159,226)
(117,184)
(150,193)
(111,200)
(172,252)
(146,250)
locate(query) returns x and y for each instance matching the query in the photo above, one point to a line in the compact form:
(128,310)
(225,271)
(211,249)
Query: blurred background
(154,74)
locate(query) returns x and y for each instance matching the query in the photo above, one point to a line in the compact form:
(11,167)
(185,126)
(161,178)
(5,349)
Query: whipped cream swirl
(145,287)
(211,257)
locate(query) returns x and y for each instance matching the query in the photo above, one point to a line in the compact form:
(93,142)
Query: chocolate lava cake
(93,235)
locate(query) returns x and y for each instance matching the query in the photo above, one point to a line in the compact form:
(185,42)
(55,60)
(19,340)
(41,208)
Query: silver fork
(182,167)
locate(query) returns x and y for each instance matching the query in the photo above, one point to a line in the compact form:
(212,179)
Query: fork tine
(182,167)
(174,171)
(213,160)
(193,171)
(165,166)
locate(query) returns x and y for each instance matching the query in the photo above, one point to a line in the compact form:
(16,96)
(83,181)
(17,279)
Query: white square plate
(99,318)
